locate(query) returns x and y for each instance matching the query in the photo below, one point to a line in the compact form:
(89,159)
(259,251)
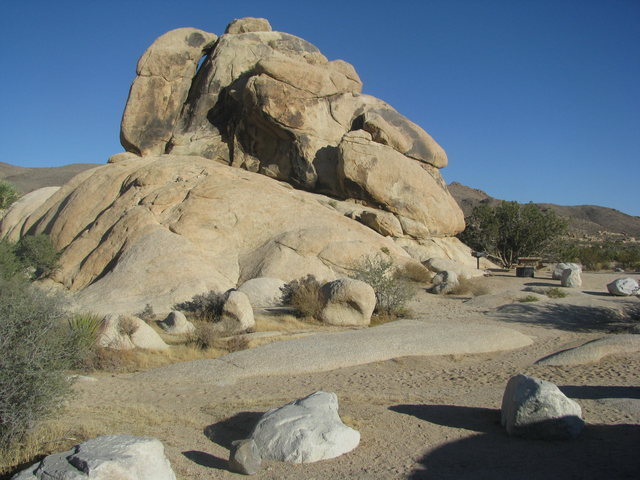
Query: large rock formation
(325,175)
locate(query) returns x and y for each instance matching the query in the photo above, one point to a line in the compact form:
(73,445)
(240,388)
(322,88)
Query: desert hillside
(28,179)
(584,220)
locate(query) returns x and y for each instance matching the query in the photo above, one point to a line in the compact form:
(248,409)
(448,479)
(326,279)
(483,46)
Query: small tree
(34,354)
(511,230)
(37,252)
(8,194)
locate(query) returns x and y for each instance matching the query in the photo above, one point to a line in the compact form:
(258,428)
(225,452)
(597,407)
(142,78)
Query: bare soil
(428,417)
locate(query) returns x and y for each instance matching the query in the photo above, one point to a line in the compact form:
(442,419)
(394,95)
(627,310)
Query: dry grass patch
(284,322)
(136,360)
(47,437)
(471,286)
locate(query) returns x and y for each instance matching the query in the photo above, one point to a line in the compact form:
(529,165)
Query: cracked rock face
(271,103)
(248,155)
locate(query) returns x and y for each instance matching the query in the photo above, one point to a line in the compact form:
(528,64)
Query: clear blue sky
(533,100)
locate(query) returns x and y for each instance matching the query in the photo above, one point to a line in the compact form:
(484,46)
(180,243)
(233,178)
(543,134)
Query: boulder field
(247,155)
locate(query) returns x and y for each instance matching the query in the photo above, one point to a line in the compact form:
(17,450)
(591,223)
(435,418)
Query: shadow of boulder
(206,459)
(238,427)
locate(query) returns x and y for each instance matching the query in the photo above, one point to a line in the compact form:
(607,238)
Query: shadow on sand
(206,459)
(238,427)
(576,318)
(592,392)
(601,451)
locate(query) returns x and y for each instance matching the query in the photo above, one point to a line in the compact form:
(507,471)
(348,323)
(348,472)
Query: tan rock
(12,222)
(237,314)
(347,302)
(248,24)
(166,228)
(122,332)
(164,75)
(380,175)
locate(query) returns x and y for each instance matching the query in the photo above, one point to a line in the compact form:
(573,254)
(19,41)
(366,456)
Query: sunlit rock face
(248,155)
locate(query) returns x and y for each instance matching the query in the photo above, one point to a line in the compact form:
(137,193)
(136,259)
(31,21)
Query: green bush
(600,255)
(34,354)
(528,299)
(204,306)
(8,194)
(304,296)
(84,329)
(555,292)
(392,295)
(36,252)
(511,230)
(10,265)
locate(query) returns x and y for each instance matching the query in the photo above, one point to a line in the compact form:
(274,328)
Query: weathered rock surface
(444,282)
(176,324)
(535,408)
(237,314)
(263,292)
(248,24)
(171,218)
(165,72)
(110,457)
(571,278)
(347,302)
(13,219)
(244,457)
(624,287)
(461,270)
(125,332)
(305,431)
(561,267)
(595,350)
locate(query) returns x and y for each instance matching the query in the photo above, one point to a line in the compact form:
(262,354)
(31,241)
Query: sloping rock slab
(305,431)
(594,351)
(329,351)
(109,457)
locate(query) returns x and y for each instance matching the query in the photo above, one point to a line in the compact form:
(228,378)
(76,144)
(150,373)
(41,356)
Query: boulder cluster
(247,155)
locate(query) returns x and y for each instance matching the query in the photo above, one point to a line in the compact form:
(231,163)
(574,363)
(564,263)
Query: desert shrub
(147,314)
(528,299)
(204,306)
(84,329)
(38,253)
(555,292)
(392,295)
(511,230)
(127,326)
(8,194)
(304,296)
(600,255)
(468,286)
(237,343)
(34,354)
(204,336)
(10,265)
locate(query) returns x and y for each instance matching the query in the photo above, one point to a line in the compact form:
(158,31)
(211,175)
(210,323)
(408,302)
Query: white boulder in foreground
(535,408)
(305,431)
(624,287)
(110,457)
(347,302)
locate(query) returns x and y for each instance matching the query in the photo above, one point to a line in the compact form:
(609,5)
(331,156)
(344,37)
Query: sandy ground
(420,417)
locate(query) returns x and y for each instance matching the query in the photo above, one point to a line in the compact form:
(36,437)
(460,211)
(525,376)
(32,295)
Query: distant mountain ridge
(586,220)
(27,179)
